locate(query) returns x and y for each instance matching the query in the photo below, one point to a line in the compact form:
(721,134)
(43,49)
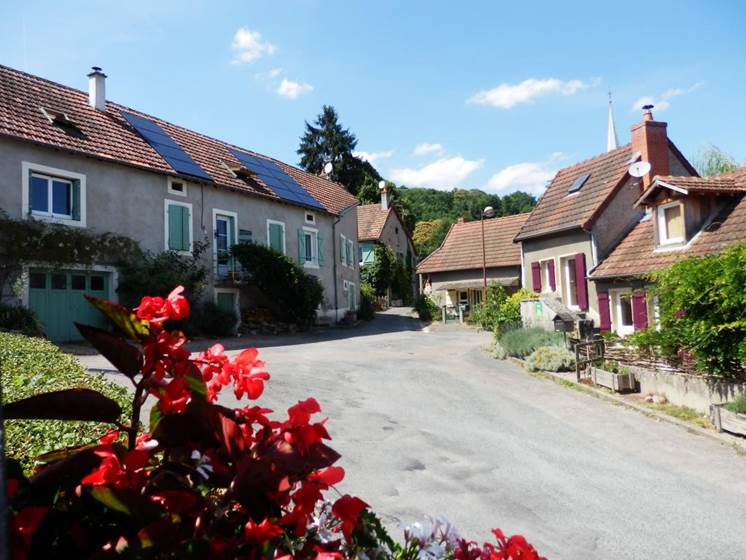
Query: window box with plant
(614,376)
(730,417)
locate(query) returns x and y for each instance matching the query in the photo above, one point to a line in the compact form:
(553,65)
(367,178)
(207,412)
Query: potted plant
(614,376)
(730,417)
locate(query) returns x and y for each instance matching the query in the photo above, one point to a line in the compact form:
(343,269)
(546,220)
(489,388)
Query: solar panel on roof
(578,184)
(282,184)
(162,143)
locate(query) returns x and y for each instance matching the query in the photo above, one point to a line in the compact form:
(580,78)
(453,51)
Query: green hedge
(33,365)
(426,308)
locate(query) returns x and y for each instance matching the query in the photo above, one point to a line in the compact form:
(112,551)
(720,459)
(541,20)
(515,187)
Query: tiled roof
(370,221)
(462,247)
(734,181)
(636,254)
(106,135)
(558,210)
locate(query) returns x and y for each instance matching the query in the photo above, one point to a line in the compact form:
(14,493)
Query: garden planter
(618,382)
(725,420)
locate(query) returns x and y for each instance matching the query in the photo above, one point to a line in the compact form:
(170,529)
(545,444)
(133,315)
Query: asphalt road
(429,424)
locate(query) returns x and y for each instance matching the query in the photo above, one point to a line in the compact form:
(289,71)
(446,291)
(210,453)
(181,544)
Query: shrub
(367,309)
(498,352)
(208,319)
(20,319)
(32,365)
(519,343)
(426,308)
(500,312)
(291,293)
(550,358)
(613,367)
(738,405)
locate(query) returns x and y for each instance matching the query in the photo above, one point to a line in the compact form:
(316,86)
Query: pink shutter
(552,279)
(536,277)
(639,311)
(582,290)
(603,311)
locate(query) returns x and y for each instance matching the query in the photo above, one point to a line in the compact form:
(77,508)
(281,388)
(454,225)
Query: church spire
(611,140)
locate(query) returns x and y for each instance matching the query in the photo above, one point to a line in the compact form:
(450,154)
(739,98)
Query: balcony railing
(226,268)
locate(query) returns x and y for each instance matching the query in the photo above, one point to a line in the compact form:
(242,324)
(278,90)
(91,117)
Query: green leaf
(155,417)
(110,499)
(69,404)
(128,323)
(194,380)
(122,355)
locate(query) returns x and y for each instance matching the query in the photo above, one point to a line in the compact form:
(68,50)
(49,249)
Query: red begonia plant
(205,481)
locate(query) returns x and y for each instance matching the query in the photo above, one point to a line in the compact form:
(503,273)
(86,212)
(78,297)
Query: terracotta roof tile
(106,135)
(557,210)
(370,221)
(462,247)
(734,181)
(636,254)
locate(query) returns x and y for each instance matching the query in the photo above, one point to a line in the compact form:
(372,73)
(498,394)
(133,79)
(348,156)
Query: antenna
(328,167)
(639,169)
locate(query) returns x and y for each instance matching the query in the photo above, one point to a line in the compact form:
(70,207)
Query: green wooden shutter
(175,241)
(301,246)
(320,247)
(275,237)
(342,248)
(76,200)
(186,234)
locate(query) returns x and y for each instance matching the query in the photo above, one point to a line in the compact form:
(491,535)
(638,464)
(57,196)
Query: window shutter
(639,311)
(301,246)
(174,228)
(186,235)
(536,277)
(76,201)
(342,248)
(320,245)
(582,287)
(603,311)
(552,278)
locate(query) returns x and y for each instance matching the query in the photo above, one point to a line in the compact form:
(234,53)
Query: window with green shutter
(342,248)
(179,227)
(320,248)
(276,235)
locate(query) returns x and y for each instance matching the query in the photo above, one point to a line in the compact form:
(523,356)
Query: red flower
(260,533)
(22,527)
(158,310)
(174,397)
(329,476)
(109,437)
(250,374)
(348,509)
(112,471)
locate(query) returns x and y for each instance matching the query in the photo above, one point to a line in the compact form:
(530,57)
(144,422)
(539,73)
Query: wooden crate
(618,382)
(725,420)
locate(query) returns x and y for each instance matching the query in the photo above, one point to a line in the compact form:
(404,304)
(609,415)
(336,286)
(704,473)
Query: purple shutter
(582,287)
(639,311)
(536,277)
(552,279)
(603,311)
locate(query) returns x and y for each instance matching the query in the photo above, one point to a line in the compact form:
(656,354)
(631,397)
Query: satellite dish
(639,169)
(381,184)
(328,167)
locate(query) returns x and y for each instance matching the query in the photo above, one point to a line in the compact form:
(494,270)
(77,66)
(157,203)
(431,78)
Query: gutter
(521,237)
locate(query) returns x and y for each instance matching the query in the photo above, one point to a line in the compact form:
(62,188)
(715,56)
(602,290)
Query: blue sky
(496,95)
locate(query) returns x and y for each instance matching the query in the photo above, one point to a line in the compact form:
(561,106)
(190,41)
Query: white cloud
(293,90)
(372,157)
(427,148)
(249,46)
(530,176)
(506,96)
(443,173)
(269,76)
(662,102)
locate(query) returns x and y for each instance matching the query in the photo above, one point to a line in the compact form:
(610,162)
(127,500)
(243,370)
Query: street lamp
(488,212)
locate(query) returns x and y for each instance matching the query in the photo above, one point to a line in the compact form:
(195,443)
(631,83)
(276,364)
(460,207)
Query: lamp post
(488,212)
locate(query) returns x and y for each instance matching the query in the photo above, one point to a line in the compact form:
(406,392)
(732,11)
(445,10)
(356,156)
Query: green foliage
(156,274)
(498,352)
(613,367)
(520,343)
(20,319)
(702,302)
(367,309)
(711,160)
(33,365)
(428,235)
(488,315)
(426,308)
(550,358)
(738,405)
(328,141)
(387,272)
(208,319)
(511,309)
(291,293)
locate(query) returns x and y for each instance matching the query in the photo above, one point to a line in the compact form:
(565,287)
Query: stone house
(75,158)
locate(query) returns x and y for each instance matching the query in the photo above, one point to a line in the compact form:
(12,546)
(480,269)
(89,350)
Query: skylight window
(578,184)
(60,118)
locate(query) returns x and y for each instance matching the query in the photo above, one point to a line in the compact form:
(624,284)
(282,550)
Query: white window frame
(546,285)
(314,262)
(344,285)
(171,190)
(621,329)
(27,168)
(312,221)
(351,294)
(565,274)
(284,235)
(236,304)
(663,238)
(218,212)
(168,202)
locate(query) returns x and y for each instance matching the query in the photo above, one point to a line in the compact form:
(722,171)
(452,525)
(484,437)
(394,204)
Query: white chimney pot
(97,89)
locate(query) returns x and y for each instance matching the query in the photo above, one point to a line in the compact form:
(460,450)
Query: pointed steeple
(611,140)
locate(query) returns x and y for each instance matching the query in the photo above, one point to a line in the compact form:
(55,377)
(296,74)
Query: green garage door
(57,299)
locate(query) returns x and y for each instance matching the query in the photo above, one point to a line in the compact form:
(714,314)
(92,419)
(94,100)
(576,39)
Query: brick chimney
(97,89)
(650,139)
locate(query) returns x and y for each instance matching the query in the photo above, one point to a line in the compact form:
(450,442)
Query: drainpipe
(334,258)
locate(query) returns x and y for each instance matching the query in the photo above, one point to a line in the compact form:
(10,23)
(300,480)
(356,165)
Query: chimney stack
(97,89)
(651,139)
(384,195)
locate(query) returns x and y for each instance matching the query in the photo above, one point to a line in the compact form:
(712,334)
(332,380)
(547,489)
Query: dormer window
(671,223)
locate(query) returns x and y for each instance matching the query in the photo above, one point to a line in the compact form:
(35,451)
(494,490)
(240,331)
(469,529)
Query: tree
(517,203)
(428,235)
(329,142)
(714,161)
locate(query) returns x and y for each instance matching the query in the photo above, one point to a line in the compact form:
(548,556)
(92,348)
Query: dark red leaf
(69,404)
(290,461)
(128,323)
(65,474)
(122,355)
